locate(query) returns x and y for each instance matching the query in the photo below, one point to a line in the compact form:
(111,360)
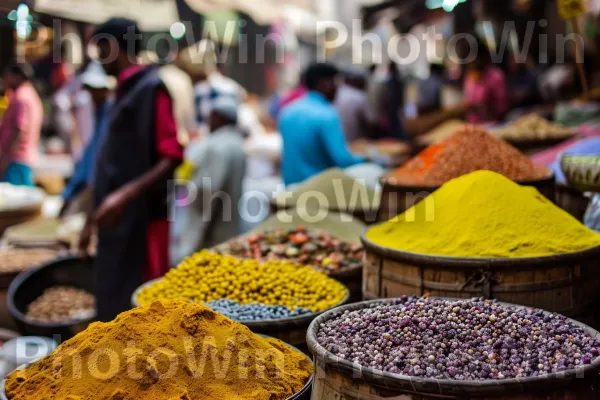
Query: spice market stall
(484,235)
(278,298)
(428,348)
(467,150)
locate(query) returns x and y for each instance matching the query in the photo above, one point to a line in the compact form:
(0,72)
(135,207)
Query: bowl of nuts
(55,299)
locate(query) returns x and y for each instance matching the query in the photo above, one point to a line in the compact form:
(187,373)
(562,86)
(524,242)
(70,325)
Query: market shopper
(138,157)
(20,127)
(485,89)
(77,194)
(311,128)
(352,104)
(214,167)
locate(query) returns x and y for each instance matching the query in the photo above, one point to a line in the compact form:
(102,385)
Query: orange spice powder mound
(468,150)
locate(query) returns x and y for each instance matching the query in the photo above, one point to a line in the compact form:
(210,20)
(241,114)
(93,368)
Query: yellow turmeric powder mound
(165,351)
(484,214)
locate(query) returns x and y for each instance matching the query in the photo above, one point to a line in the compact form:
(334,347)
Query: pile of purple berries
(463,340)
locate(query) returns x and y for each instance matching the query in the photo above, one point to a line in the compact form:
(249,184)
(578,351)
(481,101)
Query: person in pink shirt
(21,127)
(485,90)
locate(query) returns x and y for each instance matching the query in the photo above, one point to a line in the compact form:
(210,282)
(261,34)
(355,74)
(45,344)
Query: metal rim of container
(389,380)
(22,277)
(441,261)
(299,320)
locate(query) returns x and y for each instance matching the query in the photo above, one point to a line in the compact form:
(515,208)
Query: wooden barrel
(339,379)
(395,199)
(567,284)
(289,330)
(572,200)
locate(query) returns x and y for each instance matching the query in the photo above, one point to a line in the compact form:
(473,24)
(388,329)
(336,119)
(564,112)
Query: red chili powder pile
(468,150)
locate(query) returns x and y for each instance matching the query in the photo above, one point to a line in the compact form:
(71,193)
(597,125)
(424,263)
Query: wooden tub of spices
(339,375)
(482,235)
(469,149)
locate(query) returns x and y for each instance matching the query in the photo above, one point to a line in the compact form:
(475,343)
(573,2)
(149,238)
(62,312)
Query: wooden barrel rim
(445,261)
(271,324)
(346,273)
(388,185)
(442,386)
(567,188)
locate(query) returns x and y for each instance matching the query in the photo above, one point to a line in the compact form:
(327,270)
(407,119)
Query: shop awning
(262,11)
(151,15)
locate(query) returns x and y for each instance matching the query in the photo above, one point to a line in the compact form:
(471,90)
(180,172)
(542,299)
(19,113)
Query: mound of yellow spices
(165,351)
(481,215)
(206,277)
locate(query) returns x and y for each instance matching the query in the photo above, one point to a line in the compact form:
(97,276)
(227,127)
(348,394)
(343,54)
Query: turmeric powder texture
(166,351)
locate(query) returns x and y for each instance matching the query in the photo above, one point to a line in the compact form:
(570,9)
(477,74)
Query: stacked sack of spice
(171,350)
(247,290)
(341,226)
(319,250)
(332,190)
(484,215)
(469,149)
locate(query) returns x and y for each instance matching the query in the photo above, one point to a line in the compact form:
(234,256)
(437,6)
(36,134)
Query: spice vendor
(485,89)
(138,157)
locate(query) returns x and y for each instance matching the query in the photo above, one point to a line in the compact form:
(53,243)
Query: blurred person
(77,194)
(137,160)
(74,113)
(292,95)
(429,91)
(215,166)
(62,71)
(559,81)
(352,104)
(21,126)
(394,101)
(522,82)
(181,90)
(376,96)
(215,86)
(485,89)
(311,128)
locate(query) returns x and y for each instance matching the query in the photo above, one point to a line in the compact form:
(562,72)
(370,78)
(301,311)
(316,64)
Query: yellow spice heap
(484,214)
(165,351)
(207,276)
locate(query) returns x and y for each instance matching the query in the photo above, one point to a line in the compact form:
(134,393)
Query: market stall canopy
(262,11)
(151,15)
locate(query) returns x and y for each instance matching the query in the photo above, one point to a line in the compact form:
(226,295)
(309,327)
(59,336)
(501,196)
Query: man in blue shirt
(311,128)
(99,86)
